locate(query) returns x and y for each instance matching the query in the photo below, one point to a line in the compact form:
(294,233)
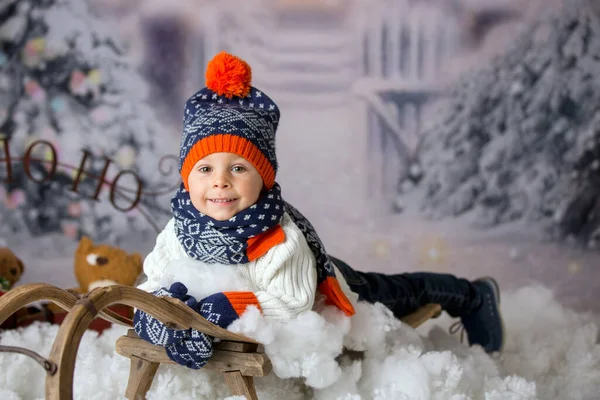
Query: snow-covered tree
(520,140)
(65,79)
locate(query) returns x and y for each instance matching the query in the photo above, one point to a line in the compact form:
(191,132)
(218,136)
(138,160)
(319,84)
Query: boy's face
(223,184)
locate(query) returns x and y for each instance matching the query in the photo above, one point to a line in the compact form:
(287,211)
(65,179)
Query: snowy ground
(550,353)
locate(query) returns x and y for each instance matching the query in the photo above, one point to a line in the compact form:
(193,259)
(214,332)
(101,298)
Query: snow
(551,352)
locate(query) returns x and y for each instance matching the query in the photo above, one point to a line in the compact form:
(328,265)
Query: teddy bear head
(104,265)
(11,268)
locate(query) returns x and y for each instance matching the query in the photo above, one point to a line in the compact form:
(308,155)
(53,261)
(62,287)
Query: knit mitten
(225,307)
(193,351)
(152,330)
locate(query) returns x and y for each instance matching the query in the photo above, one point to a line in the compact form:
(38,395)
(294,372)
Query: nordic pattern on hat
(254,118)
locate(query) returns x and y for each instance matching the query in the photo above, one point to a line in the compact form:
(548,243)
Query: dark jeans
(405,293)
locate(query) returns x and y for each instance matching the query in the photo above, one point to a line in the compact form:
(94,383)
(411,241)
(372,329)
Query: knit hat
(230,115)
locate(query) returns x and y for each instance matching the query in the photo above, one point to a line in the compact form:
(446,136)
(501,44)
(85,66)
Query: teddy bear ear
(85,244)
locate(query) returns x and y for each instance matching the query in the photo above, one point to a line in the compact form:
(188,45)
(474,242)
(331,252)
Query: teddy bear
(104,265)
(11,269)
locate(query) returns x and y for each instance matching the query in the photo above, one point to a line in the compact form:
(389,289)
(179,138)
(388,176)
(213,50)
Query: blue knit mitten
(221,309)
(193,351)
(225,307)
(152,330)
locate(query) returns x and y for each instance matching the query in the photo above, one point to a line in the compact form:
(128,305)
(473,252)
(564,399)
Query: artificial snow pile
(520,140)
(550,353)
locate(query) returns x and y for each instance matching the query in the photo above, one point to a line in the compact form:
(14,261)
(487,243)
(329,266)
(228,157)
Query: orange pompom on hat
(230,115)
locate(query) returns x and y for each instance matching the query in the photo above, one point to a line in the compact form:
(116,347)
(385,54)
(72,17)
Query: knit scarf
(250,234)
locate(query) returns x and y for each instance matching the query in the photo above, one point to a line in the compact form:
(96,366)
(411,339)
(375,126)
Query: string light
(433,250)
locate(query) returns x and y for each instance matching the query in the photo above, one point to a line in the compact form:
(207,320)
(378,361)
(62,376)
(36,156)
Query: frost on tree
(64,79)
(520,140)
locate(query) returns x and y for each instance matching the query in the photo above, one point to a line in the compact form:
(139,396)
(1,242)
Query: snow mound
(550,353)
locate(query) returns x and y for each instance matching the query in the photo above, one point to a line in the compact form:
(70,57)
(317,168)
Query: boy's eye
(204,169)
(238,168)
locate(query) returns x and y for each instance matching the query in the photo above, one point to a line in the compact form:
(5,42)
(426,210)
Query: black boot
(484,326)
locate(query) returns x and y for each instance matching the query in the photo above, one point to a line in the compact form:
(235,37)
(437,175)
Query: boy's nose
(221,182)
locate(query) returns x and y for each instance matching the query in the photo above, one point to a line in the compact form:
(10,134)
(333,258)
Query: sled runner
(237,357)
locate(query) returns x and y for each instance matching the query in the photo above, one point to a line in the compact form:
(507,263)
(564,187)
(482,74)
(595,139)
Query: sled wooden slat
(237,346)
(240,385)
(422,315)
(248,363)
(21,296)
(141,375)
(222,345)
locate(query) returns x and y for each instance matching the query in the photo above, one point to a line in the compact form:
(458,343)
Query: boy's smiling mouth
(222,200)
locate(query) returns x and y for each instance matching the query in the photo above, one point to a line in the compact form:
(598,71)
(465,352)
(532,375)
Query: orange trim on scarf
(330,287)
(260,244)
(227,143)
(241,300)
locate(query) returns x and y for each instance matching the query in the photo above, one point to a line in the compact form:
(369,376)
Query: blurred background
(456,136)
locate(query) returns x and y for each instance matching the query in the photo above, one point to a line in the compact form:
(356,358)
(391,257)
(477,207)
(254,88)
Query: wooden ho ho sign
(84,171)
(27,159)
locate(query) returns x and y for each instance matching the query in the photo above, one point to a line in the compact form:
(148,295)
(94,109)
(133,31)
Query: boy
(229,218)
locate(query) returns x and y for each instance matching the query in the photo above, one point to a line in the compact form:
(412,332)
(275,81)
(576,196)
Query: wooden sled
(237,357)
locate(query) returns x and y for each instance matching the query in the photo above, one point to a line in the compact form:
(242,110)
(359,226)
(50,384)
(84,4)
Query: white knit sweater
(284,279)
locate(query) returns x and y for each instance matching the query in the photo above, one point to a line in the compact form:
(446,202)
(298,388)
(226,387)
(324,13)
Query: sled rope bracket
(88,304)
(48,365)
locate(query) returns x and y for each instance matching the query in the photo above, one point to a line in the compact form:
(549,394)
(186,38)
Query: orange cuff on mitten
(241,300)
